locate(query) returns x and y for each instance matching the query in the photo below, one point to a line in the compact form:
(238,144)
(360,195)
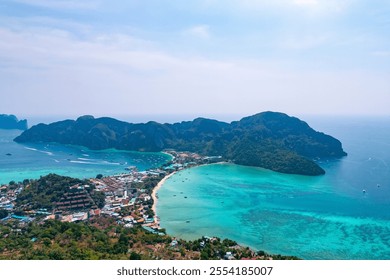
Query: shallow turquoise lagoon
(325,217)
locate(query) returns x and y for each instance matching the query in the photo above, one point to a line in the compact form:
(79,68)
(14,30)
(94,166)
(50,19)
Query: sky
(196,58)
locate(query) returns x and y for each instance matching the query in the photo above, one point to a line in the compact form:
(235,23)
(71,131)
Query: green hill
(47,191)
(270,140)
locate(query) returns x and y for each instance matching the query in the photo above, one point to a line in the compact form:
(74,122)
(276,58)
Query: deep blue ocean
(324,217)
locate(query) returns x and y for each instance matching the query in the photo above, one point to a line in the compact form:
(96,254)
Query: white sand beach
(155,190)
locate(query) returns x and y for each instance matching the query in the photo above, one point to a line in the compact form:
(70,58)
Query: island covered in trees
(269,140)
(12,122)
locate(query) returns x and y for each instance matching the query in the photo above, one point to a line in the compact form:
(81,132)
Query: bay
(32,160)
(324,217)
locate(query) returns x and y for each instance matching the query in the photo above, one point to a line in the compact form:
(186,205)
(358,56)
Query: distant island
(12,122)
(269,140)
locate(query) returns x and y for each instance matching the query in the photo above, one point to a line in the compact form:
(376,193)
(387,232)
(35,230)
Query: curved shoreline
(154,194)
(161,183)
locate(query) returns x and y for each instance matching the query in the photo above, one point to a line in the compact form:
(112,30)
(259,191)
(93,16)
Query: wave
(31,149)
(97,161)
(83,162)
(85,159)
(110,163)
(94,162)
(36,150)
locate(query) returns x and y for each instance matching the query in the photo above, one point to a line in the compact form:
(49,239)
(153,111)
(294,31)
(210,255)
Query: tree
(46,241)
(99,176)
(229,243)
(98,198)
(261,253)
(3,213)
(135,256)
(204,255)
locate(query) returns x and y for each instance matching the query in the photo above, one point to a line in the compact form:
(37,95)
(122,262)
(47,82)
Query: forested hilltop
(270,140)
(103,239)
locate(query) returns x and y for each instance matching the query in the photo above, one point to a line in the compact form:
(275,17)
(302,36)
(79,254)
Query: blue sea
(344,214)
(30,161)
(324,217)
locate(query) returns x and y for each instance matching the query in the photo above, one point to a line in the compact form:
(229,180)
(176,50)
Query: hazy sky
(196,57)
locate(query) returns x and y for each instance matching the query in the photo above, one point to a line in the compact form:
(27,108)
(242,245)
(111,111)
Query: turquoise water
(30,161)
(325,217)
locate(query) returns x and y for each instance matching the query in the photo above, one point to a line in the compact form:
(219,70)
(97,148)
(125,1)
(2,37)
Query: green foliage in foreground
(54,240)
(102,238)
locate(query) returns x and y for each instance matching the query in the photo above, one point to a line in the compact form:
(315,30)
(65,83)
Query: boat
(131,168)
(364,191)
(8,154)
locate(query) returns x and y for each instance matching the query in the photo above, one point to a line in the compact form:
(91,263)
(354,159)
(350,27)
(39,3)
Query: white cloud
(55,73)
(62,4)
(199,31)
(56,66)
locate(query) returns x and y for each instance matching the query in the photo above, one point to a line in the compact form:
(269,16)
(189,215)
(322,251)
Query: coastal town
(129,199)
